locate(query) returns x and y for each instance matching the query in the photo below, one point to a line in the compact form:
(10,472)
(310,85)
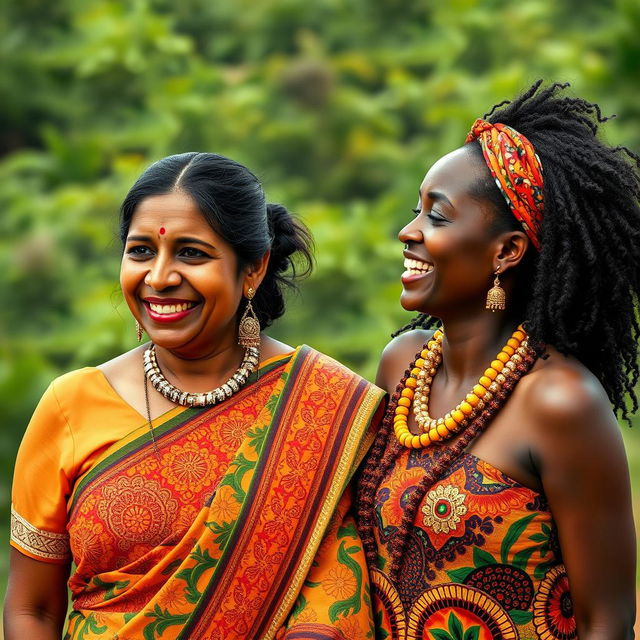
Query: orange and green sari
(239,525)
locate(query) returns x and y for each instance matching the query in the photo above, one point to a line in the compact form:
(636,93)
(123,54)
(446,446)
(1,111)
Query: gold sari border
(344,470)
(38,542)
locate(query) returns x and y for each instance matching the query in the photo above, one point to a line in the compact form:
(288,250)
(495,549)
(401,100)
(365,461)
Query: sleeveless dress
(482,561)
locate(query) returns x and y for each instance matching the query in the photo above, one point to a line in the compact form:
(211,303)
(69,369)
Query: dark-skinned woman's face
(449,254)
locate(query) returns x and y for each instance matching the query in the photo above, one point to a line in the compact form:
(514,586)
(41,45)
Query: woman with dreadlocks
(495,502)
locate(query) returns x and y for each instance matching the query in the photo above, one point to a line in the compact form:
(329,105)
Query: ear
(254,273)
(510,249)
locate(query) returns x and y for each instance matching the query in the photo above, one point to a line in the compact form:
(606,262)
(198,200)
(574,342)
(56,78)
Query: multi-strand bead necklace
(417,388)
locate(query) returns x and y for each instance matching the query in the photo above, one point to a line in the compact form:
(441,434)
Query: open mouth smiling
(169,310)
(416,267)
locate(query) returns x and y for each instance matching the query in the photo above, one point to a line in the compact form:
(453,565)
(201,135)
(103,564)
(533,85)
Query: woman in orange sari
(198,483)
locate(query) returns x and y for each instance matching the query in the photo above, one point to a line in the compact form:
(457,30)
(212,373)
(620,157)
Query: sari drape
(239,525)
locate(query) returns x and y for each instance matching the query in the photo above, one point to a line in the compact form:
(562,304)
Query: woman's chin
(411,302)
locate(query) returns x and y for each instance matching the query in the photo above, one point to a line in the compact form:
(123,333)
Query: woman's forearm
(19,626)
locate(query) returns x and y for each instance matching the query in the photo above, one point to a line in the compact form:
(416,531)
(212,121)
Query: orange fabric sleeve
(42,483)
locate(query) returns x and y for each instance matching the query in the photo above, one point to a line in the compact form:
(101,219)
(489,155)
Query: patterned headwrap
(517,171)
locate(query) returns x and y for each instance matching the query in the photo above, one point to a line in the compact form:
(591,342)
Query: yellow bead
(472,399)
(404,402)
(424,440)
(513,343)
(485,382)
(509,350)
(415,371)
(519,335)
(497,365)
(431,344)
(411,383)
(458,415)
(503,357)
(466,408)
(407,393)
(405,438)
(442,430)
(415,442)
(398,417)
(433,435)
(449,424)
(424,353)
(402,411)
(419,363)
(490,373)
(479,390)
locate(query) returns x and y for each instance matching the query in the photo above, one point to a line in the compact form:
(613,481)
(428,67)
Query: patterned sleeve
(41,484)
(335,601)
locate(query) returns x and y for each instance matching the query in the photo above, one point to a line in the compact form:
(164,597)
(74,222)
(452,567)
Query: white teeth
(417,266)
(171,308)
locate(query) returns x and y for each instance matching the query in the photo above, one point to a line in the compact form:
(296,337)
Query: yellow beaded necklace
(417,388)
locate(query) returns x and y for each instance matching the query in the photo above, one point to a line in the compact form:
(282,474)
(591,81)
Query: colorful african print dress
(482,561)
(237,526)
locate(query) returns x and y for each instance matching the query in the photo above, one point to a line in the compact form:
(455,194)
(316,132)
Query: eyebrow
(181,240)
(436,196)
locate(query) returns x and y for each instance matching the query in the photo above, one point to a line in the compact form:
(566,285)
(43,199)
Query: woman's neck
(200,373)
(470,344)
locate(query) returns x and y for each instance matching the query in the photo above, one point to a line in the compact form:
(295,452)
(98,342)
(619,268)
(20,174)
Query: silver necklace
(232,385)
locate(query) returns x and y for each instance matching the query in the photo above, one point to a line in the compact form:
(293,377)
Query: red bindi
(162,231)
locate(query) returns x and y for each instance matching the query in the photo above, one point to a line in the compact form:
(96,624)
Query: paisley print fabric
(238,525)
(482,560)
(517,171)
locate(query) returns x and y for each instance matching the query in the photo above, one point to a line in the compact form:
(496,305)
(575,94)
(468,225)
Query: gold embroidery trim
(343,471)
(44,544)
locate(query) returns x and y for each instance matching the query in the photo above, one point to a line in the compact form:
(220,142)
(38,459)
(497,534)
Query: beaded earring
(139,331)
(496,297)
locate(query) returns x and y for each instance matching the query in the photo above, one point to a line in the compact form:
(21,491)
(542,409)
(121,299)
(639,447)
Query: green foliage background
(340,106)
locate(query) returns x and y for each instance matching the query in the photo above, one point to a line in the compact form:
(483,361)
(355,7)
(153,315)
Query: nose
(162,275)
(411,233)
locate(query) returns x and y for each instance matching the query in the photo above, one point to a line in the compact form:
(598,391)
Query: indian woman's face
(179,277)
(448,255)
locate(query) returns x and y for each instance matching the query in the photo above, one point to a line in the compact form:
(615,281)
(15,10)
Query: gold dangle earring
(249,329)
(139,331)
(496,298)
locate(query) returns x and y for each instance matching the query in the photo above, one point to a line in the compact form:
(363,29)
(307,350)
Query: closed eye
(436,218)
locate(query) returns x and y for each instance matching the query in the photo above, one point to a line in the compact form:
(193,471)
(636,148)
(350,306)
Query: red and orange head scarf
(517,171)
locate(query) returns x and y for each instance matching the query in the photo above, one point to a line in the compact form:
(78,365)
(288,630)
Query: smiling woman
(199,483)
(495,502)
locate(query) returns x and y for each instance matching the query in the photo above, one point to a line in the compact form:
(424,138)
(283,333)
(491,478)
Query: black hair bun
(289,237)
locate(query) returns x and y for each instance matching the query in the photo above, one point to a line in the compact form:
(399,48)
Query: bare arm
(585,476)
(36,601)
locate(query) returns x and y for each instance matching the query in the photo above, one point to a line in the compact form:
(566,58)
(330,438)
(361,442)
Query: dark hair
(580,292)
(232,200)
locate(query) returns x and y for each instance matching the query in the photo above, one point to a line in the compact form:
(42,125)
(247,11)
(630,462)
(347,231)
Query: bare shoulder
(563,397)
(397,356)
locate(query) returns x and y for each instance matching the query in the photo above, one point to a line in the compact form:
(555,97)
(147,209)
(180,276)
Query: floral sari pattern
(482,561)
(239,526)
